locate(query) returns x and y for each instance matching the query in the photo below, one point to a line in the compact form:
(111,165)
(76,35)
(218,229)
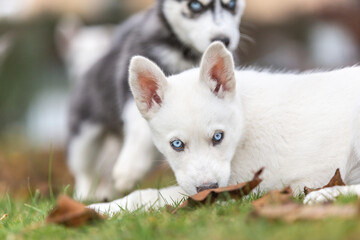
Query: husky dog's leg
(144,199)
(136,156)
(103,187)
(83,152)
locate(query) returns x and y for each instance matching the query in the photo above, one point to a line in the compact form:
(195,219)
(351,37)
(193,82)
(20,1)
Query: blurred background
(46,44)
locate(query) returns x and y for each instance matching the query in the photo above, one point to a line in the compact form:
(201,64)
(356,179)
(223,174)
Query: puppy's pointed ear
(217,70)
(147,83)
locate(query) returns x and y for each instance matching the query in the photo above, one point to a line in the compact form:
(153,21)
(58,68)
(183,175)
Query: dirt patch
(23,168)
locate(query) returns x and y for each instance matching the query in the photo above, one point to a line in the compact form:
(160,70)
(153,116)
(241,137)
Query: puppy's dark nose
(207,186)
(223,39)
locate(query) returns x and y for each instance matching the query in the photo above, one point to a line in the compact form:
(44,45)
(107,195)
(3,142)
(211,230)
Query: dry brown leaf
(275,197)
(234,192)
(3,217)
(170,208)
(336,180)
(279,205)
(70,213)
(293,212)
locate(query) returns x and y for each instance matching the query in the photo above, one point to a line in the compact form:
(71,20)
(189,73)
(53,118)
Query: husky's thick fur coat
(174,34)
(216,126)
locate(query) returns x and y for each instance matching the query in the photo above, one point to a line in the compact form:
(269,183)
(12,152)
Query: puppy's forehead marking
(205,2)
(214,5)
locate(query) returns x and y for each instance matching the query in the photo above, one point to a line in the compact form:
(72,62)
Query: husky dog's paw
(82,188)
(323,195)
(125,178)
(124,183)
(127,173)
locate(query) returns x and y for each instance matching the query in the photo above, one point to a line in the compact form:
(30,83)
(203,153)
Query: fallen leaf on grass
(70,213)
(336,180)
(170,209)
(275,197)
(279,205)
(211,195)
(3,217)
(293,211)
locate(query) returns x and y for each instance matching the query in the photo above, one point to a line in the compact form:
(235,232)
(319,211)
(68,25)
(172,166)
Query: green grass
(220,221)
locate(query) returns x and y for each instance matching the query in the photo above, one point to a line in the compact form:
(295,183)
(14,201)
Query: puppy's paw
(111,208)
(140,199)
(322,196)
(105,208)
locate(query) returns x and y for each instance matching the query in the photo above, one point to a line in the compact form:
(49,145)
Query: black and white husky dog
(110,146)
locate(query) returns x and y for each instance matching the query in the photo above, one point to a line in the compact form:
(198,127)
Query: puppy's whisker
(247,38)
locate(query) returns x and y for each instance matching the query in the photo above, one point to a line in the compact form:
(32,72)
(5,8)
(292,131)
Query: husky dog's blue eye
(230,5)
(195,6)
(177,145)
(217,138)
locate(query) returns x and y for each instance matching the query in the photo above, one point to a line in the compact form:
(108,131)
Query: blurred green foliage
(33,63)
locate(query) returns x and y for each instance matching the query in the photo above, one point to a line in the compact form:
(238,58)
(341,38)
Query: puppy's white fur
(300,127)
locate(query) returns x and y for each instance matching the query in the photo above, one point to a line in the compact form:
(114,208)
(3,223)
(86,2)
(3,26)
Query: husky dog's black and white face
(197,23)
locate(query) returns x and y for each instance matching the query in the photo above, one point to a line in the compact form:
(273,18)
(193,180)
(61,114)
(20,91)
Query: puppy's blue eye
(231,4)
(217,138)
(196,6)
(177,145)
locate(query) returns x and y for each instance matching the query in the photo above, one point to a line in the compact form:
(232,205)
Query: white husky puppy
(174,34)
(216,126)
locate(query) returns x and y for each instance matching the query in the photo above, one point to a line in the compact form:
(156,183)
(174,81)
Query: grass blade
(50,174)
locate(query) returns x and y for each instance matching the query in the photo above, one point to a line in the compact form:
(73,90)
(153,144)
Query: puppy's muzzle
(206,186)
